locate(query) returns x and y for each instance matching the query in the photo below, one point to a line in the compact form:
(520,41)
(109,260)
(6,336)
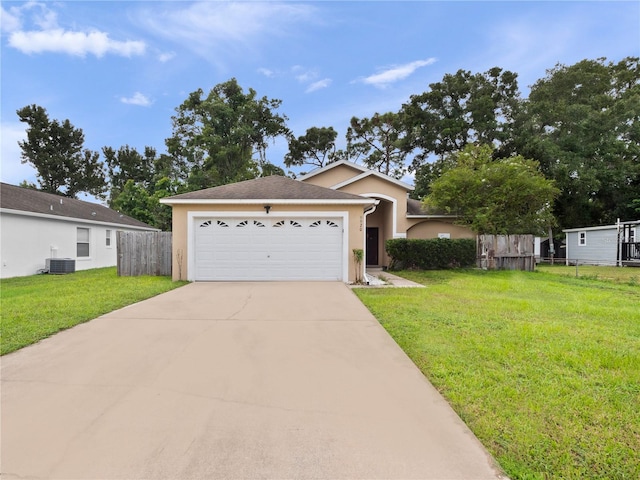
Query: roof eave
(330,166)
(369,173)
(27,213)
(272,201)
(365,172)
(600,227)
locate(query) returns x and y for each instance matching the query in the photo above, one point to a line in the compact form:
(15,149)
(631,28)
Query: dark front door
(372,245)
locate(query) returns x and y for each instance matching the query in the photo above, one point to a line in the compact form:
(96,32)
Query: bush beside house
(431,254)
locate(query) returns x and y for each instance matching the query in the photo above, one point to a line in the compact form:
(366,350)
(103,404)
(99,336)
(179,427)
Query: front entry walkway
(230,380)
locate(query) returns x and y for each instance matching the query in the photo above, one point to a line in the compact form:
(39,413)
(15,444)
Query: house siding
(600,249)
(390,214)
(332,177)
(431,228)
(27,241)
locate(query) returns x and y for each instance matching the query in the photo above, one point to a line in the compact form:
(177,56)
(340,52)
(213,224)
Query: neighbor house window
(108,238)
(632,235)
(582,238)
(83,242)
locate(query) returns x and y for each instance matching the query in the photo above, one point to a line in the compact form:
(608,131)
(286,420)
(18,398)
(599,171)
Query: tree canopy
(127,164)
(503,196)
(463,108)
(580,123)
(316,147)
(223,137)
(380,141)
(55,150)
(138,182)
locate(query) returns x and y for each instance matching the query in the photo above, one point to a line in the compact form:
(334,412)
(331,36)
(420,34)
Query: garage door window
(246,223)
(284,223)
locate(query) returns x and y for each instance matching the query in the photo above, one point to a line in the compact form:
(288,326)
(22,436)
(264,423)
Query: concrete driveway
(230,380)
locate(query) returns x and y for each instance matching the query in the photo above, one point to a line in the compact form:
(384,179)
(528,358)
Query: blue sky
(118,70)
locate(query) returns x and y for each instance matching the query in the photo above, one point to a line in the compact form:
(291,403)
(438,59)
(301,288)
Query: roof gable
(43,203)
(364,172)
(266,188)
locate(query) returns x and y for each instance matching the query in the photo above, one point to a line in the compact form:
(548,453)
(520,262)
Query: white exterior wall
(601,246)
(27,241)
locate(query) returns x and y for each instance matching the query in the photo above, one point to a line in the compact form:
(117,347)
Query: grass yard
(36,307)
(545,369)
(630,275)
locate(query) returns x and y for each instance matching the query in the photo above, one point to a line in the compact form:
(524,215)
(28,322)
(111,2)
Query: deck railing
(630,251)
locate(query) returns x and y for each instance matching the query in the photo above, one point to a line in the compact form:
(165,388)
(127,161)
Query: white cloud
(215,30)
(137,99)
(10,19)
(319,85)
(46,19)
(307,76)
(396,73)
(41,15)
(266,72)
(73,43)
(50,37)
(165,57)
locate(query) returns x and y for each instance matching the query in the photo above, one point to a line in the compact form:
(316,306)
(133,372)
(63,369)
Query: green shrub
(431,254)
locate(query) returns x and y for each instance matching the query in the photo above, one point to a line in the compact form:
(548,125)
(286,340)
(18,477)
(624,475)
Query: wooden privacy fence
(506,252)
(144,253)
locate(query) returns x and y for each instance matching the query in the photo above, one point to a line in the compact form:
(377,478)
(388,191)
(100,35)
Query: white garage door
(268,249)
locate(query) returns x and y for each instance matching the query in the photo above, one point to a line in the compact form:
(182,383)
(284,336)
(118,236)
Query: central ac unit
(60,266)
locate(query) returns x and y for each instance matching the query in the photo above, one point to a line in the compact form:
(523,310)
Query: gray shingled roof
(35,201)
(267,188)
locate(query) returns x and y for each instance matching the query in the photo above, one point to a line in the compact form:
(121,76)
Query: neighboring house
(606,245)
(276,228)
(36,226)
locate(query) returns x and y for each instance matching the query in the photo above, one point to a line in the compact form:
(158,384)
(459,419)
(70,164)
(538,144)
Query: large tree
(582,123)
(316,147)
(222,137)
(380,140)
(462,108)
(138,182)
(144,203)
(503,196)
(126,164)
(56,150)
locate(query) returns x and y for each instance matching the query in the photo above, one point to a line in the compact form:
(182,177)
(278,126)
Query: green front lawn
(630,275)
(36,307)
(545,369)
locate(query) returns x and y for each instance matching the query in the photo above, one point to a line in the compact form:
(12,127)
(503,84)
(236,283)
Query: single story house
(395,214)
(277,228)
(605,245)
(37,226)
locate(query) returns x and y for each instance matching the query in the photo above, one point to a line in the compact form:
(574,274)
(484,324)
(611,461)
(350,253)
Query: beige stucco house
(395,215)
(276,228)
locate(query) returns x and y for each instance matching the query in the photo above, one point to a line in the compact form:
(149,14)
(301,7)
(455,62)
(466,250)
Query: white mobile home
(36,226)
(605,245)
